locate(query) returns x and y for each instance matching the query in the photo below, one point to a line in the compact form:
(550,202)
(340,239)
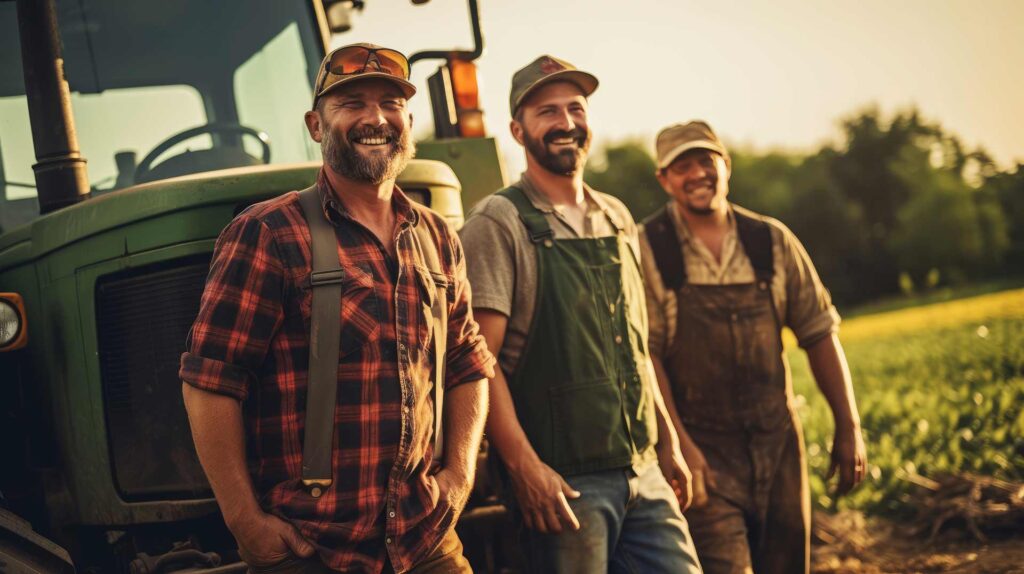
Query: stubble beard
(341,155)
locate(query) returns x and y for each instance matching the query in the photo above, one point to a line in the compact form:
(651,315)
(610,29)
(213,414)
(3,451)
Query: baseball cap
(678,139)
(360,62)
(544,70)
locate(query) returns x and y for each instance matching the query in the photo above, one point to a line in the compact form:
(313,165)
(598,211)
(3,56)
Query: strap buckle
(316,486)
(329,277)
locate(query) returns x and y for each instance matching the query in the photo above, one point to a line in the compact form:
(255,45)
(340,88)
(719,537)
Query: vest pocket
(587,424)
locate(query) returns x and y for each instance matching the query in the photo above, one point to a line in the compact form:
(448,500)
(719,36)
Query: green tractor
(188,111)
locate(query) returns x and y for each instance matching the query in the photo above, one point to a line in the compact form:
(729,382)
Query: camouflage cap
(678,139)
(543,70)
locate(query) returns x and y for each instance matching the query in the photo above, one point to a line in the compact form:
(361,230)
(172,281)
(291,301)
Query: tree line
(899,205)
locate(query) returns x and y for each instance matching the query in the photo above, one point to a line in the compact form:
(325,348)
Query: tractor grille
(143,317)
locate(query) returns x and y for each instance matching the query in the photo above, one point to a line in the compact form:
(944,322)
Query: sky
(765,75)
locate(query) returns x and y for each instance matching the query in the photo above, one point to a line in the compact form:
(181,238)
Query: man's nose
(565,121)
(373,116)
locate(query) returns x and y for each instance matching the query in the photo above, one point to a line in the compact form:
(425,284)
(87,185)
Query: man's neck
(559,188)
(716,221)
(365,202)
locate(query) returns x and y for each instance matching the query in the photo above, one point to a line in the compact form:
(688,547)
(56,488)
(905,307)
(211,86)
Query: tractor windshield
(161,89)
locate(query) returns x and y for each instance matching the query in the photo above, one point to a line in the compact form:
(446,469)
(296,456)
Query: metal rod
(61,176)
(478,42)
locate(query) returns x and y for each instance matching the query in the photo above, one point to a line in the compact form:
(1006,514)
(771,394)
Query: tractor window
(277,106)
(161,89)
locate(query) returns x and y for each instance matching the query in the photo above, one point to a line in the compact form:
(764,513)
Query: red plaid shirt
(251,341)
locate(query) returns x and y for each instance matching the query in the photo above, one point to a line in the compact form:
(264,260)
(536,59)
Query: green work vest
(582,387)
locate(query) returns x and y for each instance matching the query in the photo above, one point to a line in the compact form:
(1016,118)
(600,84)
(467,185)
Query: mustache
(577,134)
(373,132)
(706,182)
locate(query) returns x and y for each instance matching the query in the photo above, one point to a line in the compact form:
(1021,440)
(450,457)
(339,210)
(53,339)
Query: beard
(566,161)
(340,154)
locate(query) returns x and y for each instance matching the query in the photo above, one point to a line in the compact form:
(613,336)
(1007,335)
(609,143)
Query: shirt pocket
(359,311)
(428,285)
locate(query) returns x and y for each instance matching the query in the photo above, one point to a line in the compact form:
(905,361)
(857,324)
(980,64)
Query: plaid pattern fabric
(251,341)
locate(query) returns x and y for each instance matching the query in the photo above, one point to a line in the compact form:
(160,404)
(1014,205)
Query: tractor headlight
(12,322)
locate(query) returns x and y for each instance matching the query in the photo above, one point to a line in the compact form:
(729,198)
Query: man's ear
(313,125)
(660,174)
(517,130)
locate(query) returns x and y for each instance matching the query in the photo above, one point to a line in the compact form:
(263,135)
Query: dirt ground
(849,542)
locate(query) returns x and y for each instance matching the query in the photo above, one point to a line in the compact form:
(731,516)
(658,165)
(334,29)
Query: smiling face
(698,180)
(364,129)
(552,125)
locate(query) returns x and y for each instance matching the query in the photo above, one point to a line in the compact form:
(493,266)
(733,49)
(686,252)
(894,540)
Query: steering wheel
(145,166)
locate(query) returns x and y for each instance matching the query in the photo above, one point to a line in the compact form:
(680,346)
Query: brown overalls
(732,388)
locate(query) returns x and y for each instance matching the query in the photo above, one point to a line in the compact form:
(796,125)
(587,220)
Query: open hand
(542,497)
(849,457)
(699,469)
(677,473)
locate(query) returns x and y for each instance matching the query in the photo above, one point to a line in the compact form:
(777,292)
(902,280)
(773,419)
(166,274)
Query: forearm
(667,435)
(668,399)
(465,411)
(217,430)
(832,374)
(503,428)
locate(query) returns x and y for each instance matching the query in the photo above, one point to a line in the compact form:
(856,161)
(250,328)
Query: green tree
(626,170)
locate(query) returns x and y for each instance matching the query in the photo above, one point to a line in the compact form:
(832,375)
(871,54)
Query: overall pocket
(587,423)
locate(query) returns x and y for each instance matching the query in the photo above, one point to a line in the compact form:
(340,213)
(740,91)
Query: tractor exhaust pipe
(61,176)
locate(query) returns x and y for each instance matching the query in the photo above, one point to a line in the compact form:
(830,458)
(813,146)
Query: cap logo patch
(549,66)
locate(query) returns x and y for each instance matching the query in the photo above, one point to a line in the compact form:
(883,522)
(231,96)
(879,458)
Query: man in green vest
(576,413)
(721,283)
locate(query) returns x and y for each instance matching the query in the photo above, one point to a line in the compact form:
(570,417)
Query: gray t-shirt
(501,261)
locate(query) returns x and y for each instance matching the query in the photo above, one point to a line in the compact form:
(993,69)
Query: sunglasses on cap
(361,60)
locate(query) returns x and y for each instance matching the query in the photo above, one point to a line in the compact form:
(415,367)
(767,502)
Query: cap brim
(683,148)
(408,89)
(586,82)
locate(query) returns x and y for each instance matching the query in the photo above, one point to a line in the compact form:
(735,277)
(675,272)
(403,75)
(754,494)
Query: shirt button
(386,540)
(618,339)
(391,514)
(611,307)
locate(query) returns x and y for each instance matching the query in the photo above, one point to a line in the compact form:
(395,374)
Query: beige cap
(678,139)
(544,70)
(370,61)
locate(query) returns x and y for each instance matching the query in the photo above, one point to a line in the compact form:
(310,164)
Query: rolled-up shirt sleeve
(468,358)
(809,310)
(240,310)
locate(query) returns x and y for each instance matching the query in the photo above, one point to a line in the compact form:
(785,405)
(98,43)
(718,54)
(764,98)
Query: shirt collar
(336,212)
(683,230)
(594,202)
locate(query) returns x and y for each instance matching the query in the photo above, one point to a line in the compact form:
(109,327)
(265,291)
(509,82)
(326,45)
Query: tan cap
(678,139)
(543,70)
(361,62)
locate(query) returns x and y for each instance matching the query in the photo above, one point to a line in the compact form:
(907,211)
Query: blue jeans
(628,524)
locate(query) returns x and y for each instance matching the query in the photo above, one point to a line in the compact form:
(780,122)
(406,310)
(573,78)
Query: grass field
(940,389)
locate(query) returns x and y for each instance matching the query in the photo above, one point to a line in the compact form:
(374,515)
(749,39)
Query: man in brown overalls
(721,283)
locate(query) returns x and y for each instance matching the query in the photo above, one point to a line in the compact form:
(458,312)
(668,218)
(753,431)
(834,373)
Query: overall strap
(427,248)
(756,237)
(668,253)
(536,223)
(324,338)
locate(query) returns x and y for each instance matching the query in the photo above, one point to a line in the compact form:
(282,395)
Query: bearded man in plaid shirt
(246,370)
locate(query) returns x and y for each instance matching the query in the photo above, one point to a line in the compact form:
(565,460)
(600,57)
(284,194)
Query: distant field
(940,389)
